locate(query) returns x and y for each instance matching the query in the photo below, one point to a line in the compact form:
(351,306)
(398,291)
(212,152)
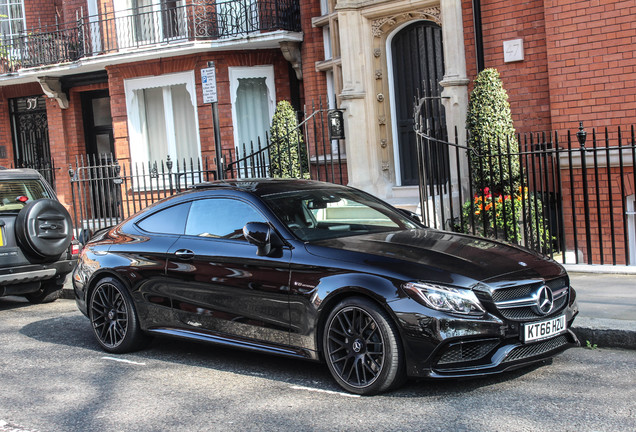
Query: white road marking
(8,427)
(325,391)
(123,361)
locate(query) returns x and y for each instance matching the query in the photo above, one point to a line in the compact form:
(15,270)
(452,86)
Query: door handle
(184,254)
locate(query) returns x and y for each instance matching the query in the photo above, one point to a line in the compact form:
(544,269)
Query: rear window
(13,193)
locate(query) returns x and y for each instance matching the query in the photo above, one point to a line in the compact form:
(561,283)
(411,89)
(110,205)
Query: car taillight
(75,249)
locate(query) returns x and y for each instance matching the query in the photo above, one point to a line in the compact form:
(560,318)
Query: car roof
(262,187)
(18,173)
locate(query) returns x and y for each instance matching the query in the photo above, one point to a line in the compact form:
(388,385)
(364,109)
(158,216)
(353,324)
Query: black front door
(418,67)
(30,130)
(103,192)
(98,124)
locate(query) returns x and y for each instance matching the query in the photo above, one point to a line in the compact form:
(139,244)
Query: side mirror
(409,214)
(262,236)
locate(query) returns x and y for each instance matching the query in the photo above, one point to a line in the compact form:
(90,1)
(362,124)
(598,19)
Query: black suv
(37,250)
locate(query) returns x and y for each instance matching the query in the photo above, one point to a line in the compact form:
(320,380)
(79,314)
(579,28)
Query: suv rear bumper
(12,279)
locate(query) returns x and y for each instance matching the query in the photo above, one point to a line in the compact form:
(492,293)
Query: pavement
(607,305)
(606,296)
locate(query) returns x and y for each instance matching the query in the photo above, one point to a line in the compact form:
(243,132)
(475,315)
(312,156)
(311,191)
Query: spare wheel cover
(43,228)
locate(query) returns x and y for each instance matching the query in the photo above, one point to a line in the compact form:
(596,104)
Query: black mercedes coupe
(323,272)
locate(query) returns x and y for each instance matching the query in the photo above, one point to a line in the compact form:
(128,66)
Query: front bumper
(437,345)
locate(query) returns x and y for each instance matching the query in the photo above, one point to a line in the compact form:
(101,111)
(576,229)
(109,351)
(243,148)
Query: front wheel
(362,347)
(114,318)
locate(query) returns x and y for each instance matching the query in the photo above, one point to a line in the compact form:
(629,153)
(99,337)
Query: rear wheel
(362,347)
(114,318)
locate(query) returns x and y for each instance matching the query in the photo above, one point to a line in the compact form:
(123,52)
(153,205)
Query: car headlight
(444,298)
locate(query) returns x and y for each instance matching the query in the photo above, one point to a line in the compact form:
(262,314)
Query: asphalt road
(53,377)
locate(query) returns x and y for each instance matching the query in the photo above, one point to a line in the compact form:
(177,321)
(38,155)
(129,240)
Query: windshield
(14,194)
(318,214)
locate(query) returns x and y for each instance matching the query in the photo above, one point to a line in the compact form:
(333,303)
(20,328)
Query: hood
(426,254)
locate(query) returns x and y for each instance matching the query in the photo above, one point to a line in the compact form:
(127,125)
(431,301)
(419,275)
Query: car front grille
(516,303)
(527,351)
(467,351)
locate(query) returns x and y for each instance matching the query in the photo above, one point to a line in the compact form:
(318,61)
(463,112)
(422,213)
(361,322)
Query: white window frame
(11,18)
(140,154)
(236,73)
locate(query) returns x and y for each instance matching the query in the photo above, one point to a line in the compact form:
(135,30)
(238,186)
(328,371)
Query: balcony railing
(130,29)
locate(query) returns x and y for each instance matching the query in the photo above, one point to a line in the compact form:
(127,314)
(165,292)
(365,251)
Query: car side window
(221,218)
(167,221)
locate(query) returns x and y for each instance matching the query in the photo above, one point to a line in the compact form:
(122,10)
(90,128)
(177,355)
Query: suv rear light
(75,249)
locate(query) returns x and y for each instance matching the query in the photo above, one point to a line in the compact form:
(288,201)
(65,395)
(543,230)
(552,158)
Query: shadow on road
(74,331)
(13,302)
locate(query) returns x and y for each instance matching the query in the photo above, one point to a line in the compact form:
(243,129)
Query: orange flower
(488,206)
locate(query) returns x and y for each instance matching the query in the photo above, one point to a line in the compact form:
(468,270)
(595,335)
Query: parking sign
(208,81)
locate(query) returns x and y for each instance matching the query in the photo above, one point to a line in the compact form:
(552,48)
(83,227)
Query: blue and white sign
(208,81)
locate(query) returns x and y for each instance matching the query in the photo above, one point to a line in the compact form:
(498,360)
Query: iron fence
(302,151)
(113,31)
(568,199)
(105,191)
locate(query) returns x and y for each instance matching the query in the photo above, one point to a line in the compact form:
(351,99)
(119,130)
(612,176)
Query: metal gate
(30,131)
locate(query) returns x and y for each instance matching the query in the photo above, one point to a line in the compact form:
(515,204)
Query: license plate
(544,329)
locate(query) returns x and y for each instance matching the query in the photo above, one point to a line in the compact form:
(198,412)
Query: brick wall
(579,60)
(592,62)
(41,12)
(527,81)
(314,82)
(44,12)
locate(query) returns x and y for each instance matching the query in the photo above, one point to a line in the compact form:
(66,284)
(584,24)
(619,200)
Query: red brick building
(95,77)
(125,76)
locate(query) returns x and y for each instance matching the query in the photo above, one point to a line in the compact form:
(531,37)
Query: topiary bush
(499,207)
(490,129)
(287,150)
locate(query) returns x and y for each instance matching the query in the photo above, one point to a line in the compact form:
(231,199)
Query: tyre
(114,318)
(362,347)
(48,292)
(43,229)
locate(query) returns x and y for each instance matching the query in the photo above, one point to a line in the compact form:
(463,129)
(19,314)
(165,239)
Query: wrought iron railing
(314,156)
(105,191)
(145,26)
(571,199)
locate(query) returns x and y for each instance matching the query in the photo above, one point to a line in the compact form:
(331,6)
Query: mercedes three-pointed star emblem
(545,300)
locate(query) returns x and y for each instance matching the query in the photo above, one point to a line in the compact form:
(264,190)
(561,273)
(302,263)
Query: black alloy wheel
(362,347)
(113,317)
